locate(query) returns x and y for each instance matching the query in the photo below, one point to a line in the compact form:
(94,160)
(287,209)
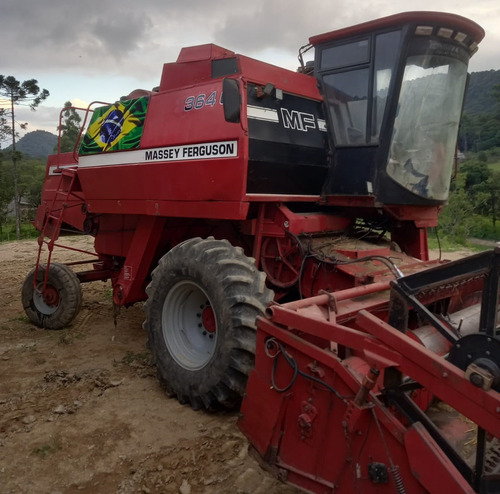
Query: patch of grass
(134,359)
(67,337)
(49,448)
(23,318)
(8,231)
(446,244)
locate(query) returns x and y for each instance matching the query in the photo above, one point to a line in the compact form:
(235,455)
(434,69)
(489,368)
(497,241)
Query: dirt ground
(81,410)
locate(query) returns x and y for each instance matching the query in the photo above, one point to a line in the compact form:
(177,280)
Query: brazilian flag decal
(116,127)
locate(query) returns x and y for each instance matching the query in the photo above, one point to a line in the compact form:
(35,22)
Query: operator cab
(393,92)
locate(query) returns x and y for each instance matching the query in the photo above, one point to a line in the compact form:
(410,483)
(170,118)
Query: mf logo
(297,120)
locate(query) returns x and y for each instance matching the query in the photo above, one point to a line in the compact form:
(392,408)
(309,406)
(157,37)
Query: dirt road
(81,410)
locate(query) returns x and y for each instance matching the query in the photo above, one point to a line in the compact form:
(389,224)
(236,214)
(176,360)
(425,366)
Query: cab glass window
(345,55)
(386,47)
(347,95)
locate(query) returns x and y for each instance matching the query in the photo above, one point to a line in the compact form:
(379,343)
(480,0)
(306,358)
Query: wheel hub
(51,296)
(208,320)
(189,325)
(46,301)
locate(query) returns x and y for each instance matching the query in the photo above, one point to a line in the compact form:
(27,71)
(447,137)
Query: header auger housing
(236,184)
(369,389)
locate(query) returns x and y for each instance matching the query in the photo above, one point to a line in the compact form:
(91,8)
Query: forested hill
(36,144)
(479,97)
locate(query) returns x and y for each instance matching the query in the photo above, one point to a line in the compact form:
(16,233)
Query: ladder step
(54,217)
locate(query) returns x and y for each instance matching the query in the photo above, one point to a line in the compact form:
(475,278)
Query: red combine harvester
(236,182)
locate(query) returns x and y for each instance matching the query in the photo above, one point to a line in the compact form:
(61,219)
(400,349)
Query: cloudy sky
(102,49)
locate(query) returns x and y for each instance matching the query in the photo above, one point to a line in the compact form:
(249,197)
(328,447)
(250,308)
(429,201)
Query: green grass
(445,244)
(8,231)
(51,447)
(131,358)
(68,336)
(494,167)
(448,245)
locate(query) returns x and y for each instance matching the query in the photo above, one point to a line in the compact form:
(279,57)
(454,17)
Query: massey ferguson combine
(275,224)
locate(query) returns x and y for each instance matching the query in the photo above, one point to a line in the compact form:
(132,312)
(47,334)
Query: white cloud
(102,49)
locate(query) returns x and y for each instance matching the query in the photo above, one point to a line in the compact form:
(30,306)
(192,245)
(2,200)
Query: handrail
(87,111)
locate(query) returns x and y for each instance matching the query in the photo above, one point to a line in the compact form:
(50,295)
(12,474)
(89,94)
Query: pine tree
(18,94)
(70,128)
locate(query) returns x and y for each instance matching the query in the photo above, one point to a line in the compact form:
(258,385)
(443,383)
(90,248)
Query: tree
(26,93)
(480,124)
(6,192)
(496,94)
(31,176)
(494,189)
(455,219)
(477,172)
(70,128)
(4,128)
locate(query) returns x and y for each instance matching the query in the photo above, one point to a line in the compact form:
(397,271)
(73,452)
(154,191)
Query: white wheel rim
(40,304)
(190,341)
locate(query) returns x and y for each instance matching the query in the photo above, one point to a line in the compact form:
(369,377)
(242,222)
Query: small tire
(60,307)
(202,304)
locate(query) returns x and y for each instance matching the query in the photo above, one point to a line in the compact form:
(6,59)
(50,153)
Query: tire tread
(246,296)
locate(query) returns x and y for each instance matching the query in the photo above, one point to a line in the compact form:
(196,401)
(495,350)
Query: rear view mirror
(231,100)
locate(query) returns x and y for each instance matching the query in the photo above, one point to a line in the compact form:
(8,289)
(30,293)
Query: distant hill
(36,144)
(478,98)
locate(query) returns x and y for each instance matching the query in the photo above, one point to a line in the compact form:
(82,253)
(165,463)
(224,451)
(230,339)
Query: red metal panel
(262,416)
(434,18)
(193,66)
(130,284)
(423,216)
(57,160)
(287,80)
(313,440)
(173,118)
(208,180)
(115,234)
(307,320)
(426,459)
(181,209)
(189,116)
(412,240)
(275,220)
(203,52)
(334,298)
(172,77)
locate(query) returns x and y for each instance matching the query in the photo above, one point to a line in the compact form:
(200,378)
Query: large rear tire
(202,304)
(62,300)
